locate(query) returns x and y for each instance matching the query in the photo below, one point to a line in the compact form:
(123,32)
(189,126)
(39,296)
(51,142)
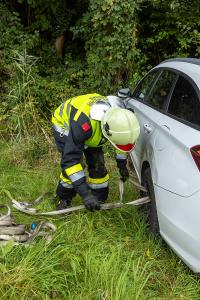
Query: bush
(169,29)
(122,39)
(110,32)
(13,34)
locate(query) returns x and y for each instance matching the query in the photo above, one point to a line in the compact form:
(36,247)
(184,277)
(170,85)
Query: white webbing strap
(9,230)
(106,206)
(25,206)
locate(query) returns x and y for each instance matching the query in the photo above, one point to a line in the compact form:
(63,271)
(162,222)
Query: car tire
(150,208)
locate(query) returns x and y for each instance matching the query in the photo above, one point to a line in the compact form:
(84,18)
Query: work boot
(63,204)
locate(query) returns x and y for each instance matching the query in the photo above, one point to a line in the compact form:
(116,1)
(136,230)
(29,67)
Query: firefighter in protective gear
(81,125)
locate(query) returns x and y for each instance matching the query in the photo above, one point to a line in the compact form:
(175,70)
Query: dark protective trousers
(96,169)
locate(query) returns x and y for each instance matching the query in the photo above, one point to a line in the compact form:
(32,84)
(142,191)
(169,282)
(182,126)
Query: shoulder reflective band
(74,169)
(68,109)
(61,109)
(77,115)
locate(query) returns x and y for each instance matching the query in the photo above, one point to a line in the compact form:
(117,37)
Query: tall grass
(107,255)
(23,112)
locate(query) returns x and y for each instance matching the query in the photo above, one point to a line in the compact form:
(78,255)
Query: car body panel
(147,117)
(164,145)
(179,224)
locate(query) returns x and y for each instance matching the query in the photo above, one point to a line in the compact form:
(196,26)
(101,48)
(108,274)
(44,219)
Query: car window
(184,102)
(159,94)
(145,85)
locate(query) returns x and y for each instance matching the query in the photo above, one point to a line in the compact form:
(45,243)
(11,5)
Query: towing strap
(9,230)
(25,207)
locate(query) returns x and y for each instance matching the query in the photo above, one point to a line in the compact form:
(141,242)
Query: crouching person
(81,125)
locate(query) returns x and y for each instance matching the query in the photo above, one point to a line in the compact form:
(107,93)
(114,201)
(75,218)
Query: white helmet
(121,127)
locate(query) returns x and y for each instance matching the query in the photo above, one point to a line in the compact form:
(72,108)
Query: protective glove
(121,164)
(91,202)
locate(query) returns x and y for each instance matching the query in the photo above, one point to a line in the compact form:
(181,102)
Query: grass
(107,255)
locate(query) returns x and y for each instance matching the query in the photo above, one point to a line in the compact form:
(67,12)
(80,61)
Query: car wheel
(150,208)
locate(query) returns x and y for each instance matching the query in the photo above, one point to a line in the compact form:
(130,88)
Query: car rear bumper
(179,223)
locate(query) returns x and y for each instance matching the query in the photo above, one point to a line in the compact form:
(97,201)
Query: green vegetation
(109,44)
(103,255)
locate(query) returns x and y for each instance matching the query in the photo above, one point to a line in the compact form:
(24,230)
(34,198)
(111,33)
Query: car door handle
(147,128)
(166,127)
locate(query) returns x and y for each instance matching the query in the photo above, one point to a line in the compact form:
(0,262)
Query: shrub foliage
(108,44)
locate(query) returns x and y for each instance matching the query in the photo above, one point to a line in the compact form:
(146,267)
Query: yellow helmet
(121,127)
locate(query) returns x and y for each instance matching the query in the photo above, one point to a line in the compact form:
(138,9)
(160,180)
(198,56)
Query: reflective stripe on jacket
(82,104)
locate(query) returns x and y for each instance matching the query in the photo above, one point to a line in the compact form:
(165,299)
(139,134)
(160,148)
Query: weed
(107,255)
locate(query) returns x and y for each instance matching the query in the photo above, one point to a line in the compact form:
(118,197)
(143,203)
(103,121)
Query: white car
(167,154)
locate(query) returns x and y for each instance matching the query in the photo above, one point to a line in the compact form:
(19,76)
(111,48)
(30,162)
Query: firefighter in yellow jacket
(81,125)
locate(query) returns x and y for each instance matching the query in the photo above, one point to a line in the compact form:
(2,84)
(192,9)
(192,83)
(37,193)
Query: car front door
(148,102)
(178,133)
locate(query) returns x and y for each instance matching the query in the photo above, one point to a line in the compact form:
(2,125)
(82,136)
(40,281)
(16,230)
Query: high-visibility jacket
(72,121)
(76,111)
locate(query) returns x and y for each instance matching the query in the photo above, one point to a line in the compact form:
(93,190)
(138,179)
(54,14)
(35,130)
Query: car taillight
(195,151)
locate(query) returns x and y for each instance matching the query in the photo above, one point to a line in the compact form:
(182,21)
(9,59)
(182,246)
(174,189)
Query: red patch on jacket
(85,127)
